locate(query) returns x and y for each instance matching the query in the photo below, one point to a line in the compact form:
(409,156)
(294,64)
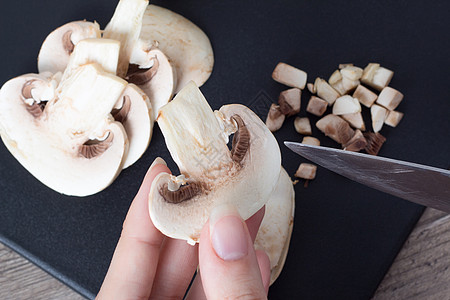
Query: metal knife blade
(420,184)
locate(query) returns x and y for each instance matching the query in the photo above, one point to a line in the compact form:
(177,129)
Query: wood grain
(420,271)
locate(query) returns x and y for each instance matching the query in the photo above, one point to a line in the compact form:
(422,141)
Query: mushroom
(356,143)
(316,106)
(186,45)
(311,88)
(302,125)
(376,76)
(379,114)
(336,128)
(325,91)
(389,98)
(275,118)
(346,105)
(393,118)
(374,142)
(355,120)
(72,144)
(306,171)
(274,234)
(290,101)
(58,46)
(309,140)
(365,96)
(289,75)
(197,141)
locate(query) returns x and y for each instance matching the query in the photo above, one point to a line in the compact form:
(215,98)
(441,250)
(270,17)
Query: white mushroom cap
(186,45)
(197,140)
(57,47)
(274,234)
(73,145)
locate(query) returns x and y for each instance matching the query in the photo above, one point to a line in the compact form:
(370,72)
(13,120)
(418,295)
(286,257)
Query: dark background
(345,235)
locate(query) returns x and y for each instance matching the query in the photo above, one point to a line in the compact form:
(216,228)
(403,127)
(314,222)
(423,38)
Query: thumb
(228,263)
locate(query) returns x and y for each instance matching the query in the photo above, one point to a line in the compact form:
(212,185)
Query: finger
(228,262)
(176,267)
(264,268)
(253,223)
(133,266)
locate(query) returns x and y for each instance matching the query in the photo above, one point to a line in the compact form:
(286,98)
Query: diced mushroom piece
(275,118)
(376,76)
(274,234)
(352,73)
(345,85)
(311,88)
(365,96)
(374,142)
(59,44)
(290,101)
(302,125)
(335,128)
(389,98)
(356,143)
(316,106)
(183,42)
(309,140)
(346,105)
(306,171)
(335,77)
(379,114)
(393,118)
(342,66)
(244,177)
(289,76)
(355,120)
(325,91)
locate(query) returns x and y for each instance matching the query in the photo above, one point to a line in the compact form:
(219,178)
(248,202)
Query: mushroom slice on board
(59,44)
(72,145)
(186,45)
(274,234)
(197,139)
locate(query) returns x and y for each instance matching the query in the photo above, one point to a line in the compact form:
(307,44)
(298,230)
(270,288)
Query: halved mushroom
(197,140)
(274,234)
(186,45)
(58,46)
(73,145)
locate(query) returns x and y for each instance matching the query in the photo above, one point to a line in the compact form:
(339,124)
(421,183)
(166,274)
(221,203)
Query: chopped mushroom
(365,96)
(306,171)
(335,77)
(325,91)
(244,177)
(376,76)
(275,118)
(311,88)
(356,143)
(302,125)
(336,128)
(309,140)
(346,105)
(341,66)
(316,106)
(379,114)
(290,101)
(355,120)
(352,73)
(374,142)
(289,75)
(393,118)
(390,98)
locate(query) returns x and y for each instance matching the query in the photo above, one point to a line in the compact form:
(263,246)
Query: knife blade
(424,185)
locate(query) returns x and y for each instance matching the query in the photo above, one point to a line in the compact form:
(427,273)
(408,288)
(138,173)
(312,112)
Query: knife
(420,184)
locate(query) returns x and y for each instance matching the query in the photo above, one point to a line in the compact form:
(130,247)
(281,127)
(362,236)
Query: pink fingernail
(228,234)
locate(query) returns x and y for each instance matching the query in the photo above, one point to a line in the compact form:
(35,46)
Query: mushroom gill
(140,76)
(35,108)
(241,140)
(67,42)
(184,193)
(94,148)
(121,114)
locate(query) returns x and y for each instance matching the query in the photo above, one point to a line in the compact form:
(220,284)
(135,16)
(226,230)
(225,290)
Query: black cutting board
(345,235)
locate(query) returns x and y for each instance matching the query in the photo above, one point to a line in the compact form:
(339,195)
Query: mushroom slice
(274,234)
(187,46)
(152,71)
(316,106)
(134,111)
(393,118)
(58,46)
(74,147)
(309,140)
(379,115)
(197,140)
(306,171)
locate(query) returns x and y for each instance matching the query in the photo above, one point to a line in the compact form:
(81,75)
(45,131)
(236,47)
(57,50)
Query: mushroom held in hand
(274,234)
(197,139)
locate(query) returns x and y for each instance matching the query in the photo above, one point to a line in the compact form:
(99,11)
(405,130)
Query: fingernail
(228,235)
(157,161)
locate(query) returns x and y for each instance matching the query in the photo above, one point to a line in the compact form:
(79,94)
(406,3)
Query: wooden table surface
(420,271)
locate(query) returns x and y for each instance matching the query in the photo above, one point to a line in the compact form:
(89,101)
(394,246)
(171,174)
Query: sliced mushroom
(290,101)
(376,76)
(289,75)
(356,143)
(75,147)
(275,118)
(186,45)
(389,98)
(316,106)
(393,118)
(58,46)
(346,105)
(274,234)
(365,96)
(197,140)
(302,125)
(336,128)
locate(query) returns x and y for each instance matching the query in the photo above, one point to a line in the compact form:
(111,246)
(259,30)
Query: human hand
(146,264)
